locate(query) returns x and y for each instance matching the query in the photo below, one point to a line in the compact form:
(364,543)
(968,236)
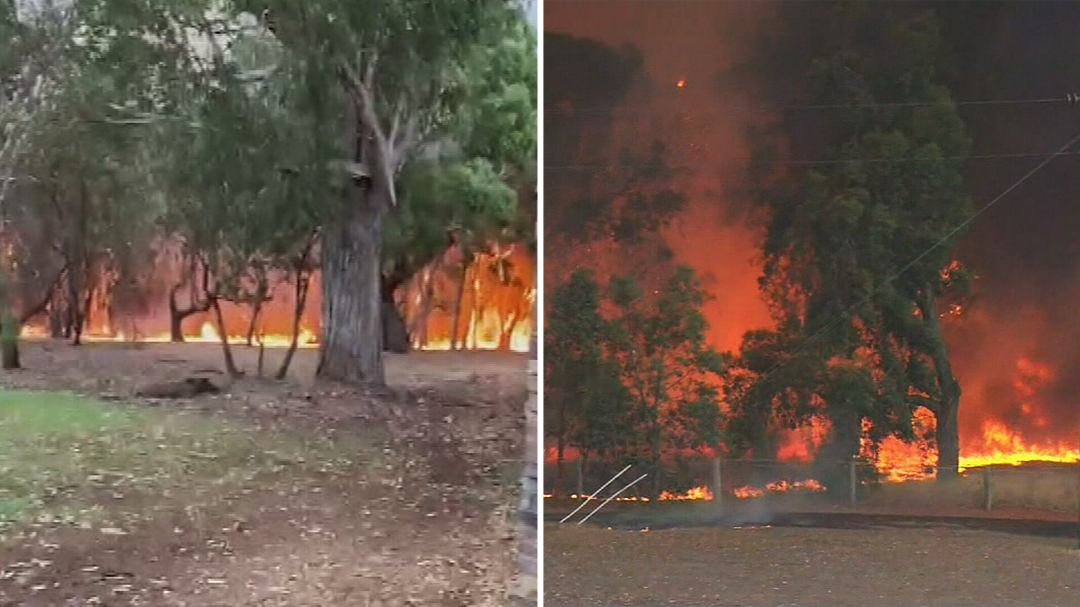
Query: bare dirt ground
(430,520)
(883,564)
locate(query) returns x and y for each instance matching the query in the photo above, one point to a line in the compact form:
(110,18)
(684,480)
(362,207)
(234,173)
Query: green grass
(73,460)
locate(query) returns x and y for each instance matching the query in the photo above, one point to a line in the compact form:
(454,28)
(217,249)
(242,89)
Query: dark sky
(1018,353)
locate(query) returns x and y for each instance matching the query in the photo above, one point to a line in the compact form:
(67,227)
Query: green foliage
(858,336)
(663,359)
(498,122)
(223,123)
(465,201)
(465,193)
(589,405)
(253,180)
(639,381)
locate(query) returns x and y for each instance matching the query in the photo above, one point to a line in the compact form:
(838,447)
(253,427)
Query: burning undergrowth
(482,303)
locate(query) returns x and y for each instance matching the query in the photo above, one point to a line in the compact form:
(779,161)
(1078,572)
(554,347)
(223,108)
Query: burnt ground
(404,496)
(810,555)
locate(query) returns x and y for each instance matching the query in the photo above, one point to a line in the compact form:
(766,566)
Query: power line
(847,313)
(740,161)
(1068,99)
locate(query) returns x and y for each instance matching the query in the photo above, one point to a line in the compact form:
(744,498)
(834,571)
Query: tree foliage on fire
(859,266)
(859,270)
(202,153)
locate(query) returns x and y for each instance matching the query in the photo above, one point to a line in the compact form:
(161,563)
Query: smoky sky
(1025,249)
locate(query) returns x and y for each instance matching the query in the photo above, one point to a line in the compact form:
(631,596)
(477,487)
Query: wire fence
(1043,486)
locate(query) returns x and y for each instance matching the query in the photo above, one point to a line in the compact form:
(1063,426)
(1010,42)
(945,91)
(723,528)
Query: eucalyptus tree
(860,251)
(394,74)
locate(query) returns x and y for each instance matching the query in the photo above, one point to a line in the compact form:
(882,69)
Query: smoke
(1014,350)
(703,133)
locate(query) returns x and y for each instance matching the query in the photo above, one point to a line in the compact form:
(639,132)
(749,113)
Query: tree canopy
(859,252)
(247,129)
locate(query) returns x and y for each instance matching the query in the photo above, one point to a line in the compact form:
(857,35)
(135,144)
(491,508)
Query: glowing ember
(809,486)
(748,492)
(585,496)
(697,493)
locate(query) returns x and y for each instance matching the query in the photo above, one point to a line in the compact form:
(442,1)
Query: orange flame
(494,308)
(809,485)
(697,493)
(748,492)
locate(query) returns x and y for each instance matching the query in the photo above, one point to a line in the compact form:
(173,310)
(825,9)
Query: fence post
(580,474)
(988,491)
(717,486)
(853,480)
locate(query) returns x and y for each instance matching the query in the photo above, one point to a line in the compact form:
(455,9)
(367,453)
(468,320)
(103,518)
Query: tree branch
(365,100)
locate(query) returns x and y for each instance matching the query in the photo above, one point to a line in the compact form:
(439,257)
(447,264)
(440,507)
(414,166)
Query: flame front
(782,486)
(697,493)
(493,309)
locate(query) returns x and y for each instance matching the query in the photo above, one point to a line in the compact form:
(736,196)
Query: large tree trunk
(351,348)
(302,282)
(948,435)
(395,335)
(948,429)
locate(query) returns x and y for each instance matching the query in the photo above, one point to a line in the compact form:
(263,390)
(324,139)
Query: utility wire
(1068,99)
(634,167)
(846,313)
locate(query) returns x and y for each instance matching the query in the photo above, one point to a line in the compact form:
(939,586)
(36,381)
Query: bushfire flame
(809,486)
(490,304)
(995,444)
(697,493)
